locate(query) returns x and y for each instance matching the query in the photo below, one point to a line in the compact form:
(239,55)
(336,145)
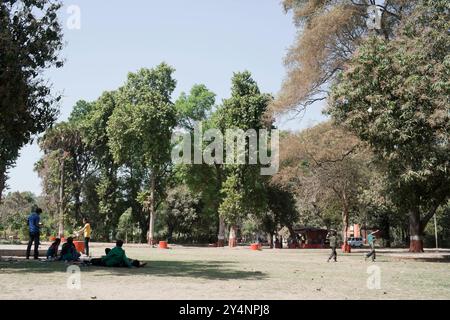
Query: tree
(140,129)
(395,95)
(243,188)
(378,210)
(325,166)
(127,228)
(329,33)
(30,40)
(234,206)
(63,143)
(180,211)
(195,107)
(443,231)
(14,212)
(206,179)
(282,212)
(93,119)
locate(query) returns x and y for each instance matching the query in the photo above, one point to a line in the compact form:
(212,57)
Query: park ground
(234,273)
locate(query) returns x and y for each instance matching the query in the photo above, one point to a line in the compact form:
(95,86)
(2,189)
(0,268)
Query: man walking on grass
(333,245)
(371,240)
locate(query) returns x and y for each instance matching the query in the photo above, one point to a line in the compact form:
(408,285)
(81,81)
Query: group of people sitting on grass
(114,257)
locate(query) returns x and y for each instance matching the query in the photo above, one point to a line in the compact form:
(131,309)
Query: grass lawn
(224,273)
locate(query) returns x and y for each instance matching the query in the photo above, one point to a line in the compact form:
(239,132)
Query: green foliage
(81,111)
(395,96)
(104,187)
(234,204)
(281,212)
(14,212)
(30,39)
(181,213)
(140,128)
(243,189)
(194,107)
(127,228)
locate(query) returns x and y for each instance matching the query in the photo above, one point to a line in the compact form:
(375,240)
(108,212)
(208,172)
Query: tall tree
(30,40)
(63,144)
(194,109)
(243,187)
(395,95)
(140,129)
(329,33)
(94,118)
(325,165)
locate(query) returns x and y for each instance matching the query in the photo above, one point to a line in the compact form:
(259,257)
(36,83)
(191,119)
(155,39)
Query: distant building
(311,238)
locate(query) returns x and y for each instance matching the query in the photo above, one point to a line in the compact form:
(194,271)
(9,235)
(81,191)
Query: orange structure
(79,245)
(163,245)
(255,246)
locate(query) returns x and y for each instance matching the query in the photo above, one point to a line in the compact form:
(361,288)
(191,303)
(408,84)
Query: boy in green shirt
(116,257)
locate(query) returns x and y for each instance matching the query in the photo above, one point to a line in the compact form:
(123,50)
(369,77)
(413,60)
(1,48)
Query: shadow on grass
(444,259)
(210,270)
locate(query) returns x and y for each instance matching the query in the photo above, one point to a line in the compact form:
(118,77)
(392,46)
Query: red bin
(163,244)
(79,245)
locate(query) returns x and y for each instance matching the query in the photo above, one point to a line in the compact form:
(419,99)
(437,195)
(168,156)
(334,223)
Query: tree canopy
(30,41)
(395,95)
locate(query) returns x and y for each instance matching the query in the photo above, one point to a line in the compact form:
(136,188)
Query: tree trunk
(387,232)
(170,233)
(151,208)
(345,218)
(221,235)
(137,211)
(415,232)
(77,204)
(293,236)
(61,201)
(232,242)
(2,181)
(270,240)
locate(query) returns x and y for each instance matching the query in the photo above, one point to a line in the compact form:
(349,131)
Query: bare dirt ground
(233,274)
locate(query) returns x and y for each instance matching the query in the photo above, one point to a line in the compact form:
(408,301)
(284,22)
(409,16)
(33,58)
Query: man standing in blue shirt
(34,229)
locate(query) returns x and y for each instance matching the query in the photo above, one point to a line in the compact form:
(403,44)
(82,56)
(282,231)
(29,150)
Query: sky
(204,40)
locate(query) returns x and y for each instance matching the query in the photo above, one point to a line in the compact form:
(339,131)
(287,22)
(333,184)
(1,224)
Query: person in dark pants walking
(333,244)
(371,239)
(34,230)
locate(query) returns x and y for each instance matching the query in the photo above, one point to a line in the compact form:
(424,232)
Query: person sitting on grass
(52,251)
(69,252)
(116,257)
